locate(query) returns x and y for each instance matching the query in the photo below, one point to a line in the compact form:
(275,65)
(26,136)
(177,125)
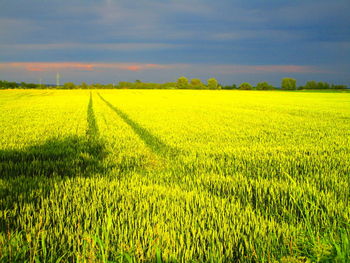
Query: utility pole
(57,80)
(40,83)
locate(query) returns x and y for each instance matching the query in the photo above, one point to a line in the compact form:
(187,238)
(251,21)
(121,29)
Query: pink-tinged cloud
(133,68)
(76,66)
(50,66)
(140,67)
(29,68)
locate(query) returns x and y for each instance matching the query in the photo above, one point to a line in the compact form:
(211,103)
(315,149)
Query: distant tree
(197,84)
(264,86)
(25,85)
(109,86)
(316,85)
(233,86)
(213,84)
(97,86)
(338,86)
(124,85)
(182,83)
(168,85)
(289,84)
(69,85)
(323,85)
(8,85)
(13,85)
(3,84)
(83,85)
(245,86)
(311,85)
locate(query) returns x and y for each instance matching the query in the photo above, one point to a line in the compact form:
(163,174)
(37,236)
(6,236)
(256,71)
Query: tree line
(288,84)
(181,83)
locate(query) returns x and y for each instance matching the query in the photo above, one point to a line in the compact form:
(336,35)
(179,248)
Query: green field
(174,175)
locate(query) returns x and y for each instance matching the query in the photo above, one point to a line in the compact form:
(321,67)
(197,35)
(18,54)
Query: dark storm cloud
(198,33)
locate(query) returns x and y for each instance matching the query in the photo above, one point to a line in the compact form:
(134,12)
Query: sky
(235,41)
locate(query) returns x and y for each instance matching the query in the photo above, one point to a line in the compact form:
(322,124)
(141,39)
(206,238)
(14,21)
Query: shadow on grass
(36,168)
(155,144)
(28,175)
(67,156)
(70,156)
(92,131)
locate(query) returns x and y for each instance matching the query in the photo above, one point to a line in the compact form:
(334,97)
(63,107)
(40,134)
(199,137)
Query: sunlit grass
(137,175)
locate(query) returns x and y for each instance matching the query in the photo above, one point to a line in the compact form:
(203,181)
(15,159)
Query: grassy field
(171,175)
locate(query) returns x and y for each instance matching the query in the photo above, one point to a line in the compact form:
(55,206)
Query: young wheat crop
(174,176)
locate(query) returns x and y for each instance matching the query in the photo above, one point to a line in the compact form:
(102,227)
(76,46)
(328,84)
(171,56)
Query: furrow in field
(92,129)
(152,141)
(126,151)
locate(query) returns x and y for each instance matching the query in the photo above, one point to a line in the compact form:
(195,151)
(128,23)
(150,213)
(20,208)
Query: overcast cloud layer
(159,40)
